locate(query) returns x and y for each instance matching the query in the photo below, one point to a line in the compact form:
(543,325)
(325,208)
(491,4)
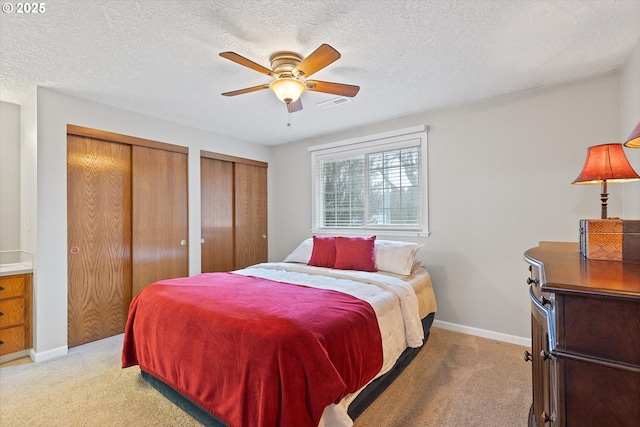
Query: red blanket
(252,351)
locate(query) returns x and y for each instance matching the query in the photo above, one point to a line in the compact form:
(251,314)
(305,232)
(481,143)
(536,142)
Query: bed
(309,341)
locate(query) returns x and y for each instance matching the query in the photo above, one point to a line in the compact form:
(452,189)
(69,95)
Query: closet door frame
(127,294)
(242,256)
(124,139)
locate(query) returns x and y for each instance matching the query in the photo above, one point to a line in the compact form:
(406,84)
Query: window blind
(371,184)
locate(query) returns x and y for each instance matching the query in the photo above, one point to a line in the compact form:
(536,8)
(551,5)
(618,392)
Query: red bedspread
(252,351)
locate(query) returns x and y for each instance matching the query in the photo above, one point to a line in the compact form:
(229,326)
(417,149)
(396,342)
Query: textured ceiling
(161,57)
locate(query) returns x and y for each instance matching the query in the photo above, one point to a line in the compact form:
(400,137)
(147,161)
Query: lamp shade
(606,163)
(287,89)
(634,139)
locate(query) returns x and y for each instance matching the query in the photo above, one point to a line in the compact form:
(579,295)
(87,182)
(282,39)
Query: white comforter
(393,300)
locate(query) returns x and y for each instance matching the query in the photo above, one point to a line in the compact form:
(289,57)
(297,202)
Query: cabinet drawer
(535,282)
(597,395)
(12,340)
(11,312)
(601,327)
(12,286)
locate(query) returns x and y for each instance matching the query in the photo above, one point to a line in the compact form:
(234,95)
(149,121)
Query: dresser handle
(531,281)
(545,417)
(544,301)
(528,357)
(545,355)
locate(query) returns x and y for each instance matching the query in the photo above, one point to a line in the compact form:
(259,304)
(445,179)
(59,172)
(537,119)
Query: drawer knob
(1,288)
(531,281)
(545,417)
(544,301)
(528,357)
(1,313)
(1,342)
(545,355)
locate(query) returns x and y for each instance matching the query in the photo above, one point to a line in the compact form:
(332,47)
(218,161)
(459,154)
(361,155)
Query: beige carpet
(458,380)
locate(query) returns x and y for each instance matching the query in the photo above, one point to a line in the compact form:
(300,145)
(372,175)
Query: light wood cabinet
(15,313)
(234,212)
(585,346)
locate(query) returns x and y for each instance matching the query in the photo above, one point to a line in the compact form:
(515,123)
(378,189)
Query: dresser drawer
(599,326)
(12,340)
(11,312)
(535,281)
(12,286)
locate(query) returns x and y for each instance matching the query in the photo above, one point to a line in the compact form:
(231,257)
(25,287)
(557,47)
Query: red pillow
(324,252)
(356,253)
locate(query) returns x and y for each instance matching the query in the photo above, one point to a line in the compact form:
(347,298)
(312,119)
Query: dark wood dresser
(585,333)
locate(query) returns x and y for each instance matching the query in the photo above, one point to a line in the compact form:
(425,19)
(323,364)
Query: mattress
(392,323)
(399,303)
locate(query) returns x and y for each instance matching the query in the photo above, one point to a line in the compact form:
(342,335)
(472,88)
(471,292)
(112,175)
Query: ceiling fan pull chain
(289,120)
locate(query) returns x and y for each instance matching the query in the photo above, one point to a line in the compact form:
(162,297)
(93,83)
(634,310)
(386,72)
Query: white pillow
(396,257)
(302,253)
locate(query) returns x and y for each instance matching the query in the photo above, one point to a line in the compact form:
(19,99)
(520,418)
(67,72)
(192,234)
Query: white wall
(9,180)
(499,179)
(54,112)
(630,89)
(500,176)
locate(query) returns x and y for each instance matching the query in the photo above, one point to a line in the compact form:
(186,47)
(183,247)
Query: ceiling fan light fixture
(287,89)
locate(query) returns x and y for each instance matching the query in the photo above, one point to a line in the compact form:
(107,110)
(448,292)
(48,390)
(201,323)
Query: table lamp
(634,139)
(607,163)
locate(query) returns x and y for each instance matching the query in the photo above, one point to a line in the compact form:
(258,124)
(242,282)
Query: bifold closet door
(216,198)
(98,238)
(250,214)
(160,220)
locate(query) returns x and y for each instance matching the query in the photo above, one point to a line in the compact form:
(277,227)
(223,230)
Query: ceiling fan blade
(295,106)
(334,88)
(319,58)
(232,56)
(246,90)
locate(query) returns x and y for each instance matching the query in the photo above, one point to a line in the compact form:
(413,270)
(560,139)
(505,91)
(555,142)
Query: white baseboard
(526,342)
(49,354)
(13,356)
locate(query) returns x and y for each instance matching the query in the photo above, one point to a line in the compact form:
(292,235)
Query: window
(372,183)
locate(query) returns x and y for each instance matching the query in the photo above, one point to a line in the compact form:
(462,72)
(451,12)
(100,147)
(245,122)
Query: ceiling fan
(288,69)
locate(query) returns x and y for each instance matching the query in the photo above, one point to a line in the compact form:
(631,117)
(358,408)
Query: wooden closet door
(250,214)
(216,197)
(160,222)
(98,238)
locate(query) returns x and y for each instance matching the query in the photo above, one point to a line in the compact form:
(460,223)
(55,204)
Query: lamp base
(610,239)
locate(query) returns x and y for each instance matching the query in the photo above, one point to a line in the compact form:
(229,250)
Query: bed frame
(357,407)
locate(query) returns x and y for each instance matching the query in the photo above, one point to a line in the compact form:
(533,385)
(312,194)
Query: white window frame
(368,144)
